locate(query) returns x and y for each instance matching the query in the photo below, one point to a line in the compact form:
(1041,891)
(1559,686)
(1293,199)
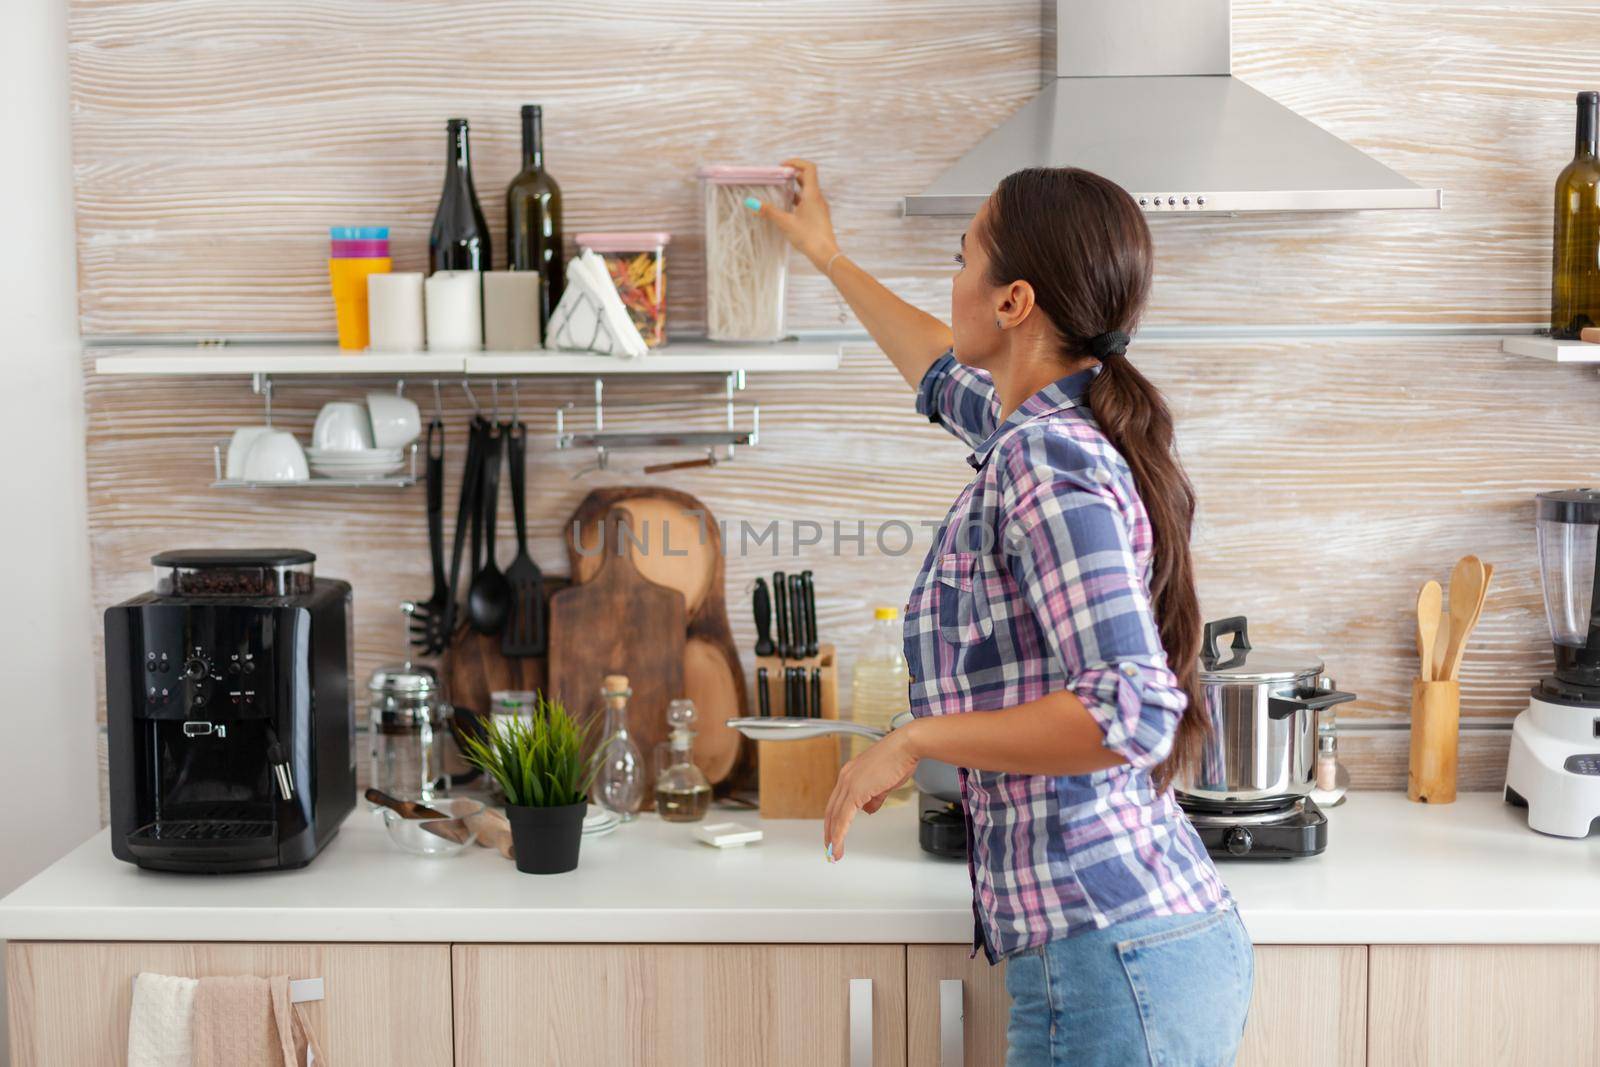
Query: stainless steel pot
(932,777)
(1263,708)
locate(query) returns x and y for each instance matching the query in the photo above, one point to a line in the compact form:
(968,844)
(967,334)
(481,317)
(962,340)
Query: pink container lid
(725,174)
(360,249)
(641,241)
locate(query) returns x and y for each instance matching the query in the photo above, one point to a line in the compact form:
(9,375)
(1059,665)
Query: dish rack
(219,459)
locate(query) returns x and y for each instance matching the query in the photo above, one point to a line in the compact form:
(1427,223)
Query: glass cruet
(682,792)
(619,782)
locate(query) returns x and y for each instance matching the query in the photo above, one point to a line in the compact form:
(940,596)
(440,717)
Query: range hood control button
(1186,201)
(1172,201)
(1200,200)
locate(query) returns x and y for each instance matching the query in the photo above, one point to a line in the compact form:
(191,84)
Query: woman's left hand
(863,785)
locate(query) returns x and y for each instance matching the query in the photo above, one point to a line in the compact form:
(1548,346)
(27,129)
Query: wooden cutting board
(619,622)
(683,552)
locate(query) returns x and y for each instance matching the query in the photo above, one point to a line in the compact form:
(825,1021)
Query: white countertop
(1393,872)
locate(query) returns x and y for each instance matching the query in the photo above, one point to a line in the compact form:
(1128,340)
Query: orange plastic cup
(349,281)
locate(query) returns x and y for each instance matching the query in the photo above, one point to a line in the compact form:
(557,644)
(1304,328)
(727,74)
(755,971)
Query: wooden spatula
(1429,602)
(1469,583)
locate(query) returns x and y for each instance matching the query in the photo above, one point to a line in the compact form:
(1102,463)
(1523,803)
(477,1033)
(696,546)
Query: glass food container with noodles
(747,259)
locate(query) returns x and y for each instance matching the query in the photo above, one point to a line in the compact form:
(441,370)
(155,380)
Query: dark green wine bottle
(533,215)
(459,239)
(1575,284)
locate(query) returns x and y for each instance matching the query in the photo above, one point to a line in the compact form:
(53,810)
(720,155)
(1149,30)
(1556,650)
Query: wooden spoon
(1469,583)
(1429,601)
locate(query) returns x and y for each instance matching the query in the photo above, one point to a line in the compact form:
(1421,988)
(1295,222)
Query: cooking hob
(1274,828)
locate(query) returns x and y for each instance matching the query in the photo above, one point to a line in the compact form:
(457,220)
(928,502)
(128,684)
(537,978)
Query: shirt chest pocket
(962,599)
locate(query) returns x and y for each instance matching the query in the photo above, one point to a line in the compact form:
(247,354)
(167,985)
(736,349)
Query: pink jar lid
(725,174)
(641,241)
(360,249)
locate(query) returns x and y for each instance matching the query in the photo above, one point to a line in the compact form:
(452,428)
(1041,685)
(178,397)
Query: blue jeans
(1170,991)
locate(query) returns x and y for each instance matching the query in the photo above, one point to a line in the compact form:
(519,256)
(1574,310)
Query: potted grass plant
(540,765)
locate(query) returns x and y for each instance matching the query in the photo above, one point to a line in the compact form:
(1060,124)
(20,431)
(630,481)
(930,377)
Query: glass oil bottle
(682,792)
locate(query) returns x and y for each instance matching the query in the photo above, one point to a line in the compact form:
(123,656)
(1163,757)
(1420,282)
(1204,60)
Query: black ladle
(489,597)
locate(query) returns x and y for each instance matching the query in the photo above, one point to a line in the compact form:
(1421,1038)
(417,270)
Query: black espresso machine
(230,717)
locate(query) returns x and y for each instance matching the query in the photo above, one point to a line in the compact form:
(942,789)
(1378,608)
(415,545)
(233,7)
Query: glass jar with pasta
(747,259)
(637,263)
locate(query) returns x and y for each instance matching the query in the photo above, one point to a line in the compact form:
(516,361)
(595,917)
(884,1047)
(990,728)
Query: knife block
(795,778)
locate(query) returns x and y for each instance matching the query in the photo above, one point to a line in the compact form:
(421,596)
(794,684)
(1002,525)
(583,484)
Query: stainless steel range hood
(1141,92)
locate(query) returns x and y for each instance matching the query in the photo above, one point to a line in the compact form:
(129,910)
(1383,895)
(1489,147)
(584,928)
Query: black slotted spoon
(428,619)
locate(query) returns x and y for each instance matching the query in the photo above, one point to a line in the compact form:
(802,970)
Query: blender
(1554,767)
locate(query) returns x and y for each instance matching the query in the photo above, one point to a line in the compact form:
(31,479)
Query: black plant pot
(546,840)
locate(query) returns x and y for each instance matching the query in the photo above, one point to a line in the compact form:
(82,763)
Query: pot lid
(1243,662)
(407,678)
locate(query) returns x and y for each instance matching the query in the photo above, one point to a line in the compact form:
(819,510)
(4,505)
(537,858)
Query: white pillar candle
(511,310)
(455,310)
(394,312)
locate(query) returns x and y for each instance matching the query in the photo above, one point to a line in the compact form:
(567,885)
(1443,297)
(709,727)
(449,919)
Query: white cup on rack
(342,426)
(239,448)
(396,422)
(275,456)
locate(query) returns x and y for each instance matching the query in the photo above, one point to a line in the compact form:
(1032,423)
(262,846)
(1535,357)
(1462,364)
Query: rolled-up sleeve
(1068,549)
(959,398)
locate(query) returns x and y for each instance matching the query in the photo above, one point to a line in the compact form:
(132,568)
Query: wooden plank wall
(214,143)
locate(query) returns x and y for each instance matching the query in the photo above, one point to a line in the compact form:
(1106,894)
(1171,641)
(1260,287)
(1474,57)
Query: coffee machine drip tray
(1270,828)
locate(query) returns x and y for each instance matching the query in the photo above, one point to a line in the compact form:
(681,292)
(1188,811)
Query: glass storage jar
(407,723)
(747,259)
(637,263)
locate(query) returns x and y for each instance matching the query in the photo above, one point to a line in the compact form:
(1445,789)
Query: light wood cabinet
(1309,1007)
(383,1004)
(733,1005)
(1484,1005)
(1308,998)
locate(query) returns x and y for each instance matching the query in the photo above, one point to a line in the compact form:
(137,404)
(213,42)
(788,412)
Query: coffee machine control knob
(196,668)
(1239,840)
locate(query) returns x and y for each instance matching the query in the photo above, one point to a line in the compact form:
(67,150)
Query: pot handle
(1314,700)
(1235,625)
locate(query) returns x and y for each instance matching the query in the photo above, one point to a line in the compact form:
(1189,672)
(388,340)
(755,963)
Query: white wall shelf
(688,356)
(1539,347)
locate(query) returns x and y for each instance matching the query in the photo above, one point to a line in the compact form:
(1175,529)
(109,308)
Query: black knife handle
(780,602)
(816,692)
(762,602)
(763,694)
(811,612)
(797,617)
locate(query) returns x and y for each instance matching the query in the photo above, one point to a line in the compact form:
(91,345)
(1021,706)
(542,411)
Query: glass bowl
(435,838)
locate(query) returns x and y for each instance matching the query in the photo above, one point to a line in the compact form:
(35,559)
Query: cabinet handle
(860,1022)
(952,1024)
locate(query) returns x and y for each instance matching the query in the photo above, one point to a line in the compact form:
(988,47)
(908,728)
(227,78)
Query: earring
(997,325)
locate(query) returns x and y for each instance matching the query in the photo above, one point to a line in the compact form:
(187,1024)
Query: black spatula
(524,633)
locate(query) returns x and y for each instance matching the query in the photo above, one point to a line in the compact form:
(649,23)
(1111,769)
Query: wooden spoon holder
(1435,732)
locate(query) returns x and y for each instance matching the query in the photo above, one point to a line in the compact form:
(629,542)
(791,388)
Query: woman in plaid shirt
(1053,632)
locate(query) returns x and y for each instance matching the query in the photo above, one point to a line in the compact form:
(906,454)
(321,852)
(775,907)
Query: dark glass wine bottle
(533,214)
(460,238)
(1575,284)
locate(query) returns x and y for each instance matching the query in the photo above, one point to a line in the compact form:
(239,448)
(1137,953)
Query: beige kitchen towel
(160,1021)
(247,1021)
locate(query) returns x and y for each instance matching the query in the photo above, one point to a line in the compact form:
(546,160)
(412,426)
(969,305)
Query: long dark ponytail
(1082,244)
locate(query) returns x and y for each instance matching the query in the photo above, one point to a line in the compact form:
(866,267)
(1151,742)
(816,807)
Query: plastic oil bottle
(878,686)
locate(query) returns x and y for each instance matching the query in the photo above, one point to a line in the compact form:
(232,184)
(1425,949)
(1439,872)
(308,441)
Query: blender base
(1554,768)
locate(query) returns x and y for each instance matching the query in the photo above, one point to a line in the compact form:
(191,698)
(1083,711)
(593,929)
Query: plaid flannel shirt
(1037,582)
